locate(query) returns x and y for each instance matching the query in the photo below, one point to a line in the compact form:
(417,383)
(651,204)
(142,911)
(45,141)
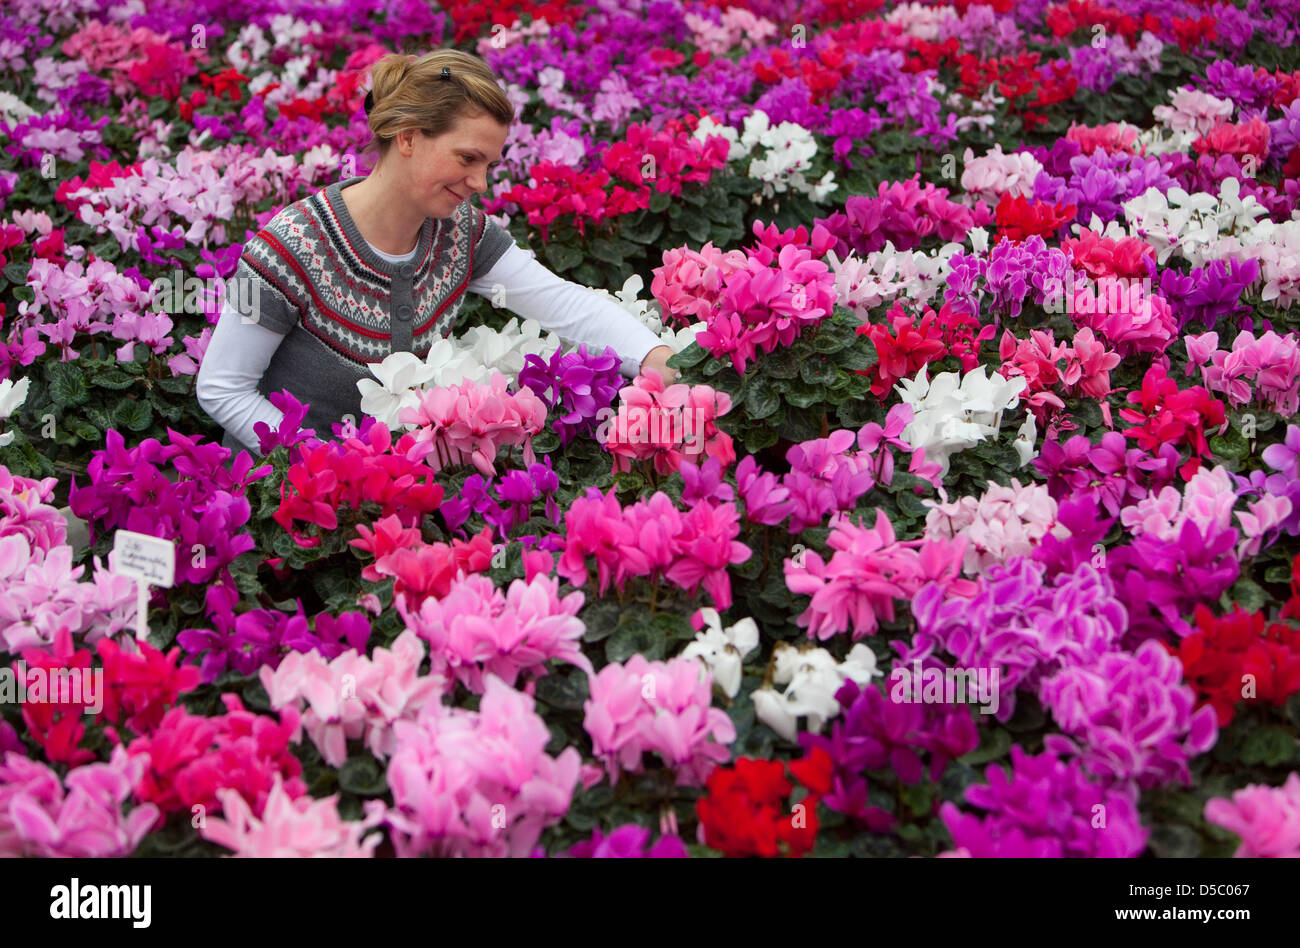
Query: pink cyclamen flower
(664,707)
(300,827)
(1266,818)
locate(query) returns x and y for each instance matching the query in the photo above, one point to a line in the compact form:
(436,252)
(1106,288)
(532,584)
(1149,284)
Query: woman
(373,265)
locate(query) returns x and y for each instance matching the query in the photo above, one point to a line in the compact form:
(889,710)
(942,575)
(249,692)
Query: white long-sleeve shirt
(240,351)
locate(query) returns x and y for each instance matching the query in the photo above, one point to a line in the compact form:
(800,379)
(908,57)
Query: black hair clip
(446,72)
(370,102)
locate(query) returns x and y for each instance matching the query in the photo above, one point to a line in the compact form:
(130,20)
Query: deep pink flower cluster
(653,539)
(902,213)
(1046,809)
(870,569)
(1132,321)
(477,783)
(469,423)
(760,300)
(668,157)
(664,707)
(354,697)
(329,476)
(667,425)
(188,758)
(181,492)
(1086,369)
(79,817)
(475,630)
(1132,716)
(1116,474)
(627,842)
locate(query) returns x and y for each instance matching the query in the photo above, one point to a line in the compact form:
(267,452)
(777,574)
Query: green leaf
(660,202)
(645,230)
(697,228)
(689,357)
(363,776)
(801,395)
(562,257)
(1273,746)
(1248,594)
(16,272)
(634,637)
(114,380)
(604,250)
(781,364)
(860,357)
(133,415)
(67,384)
(995,746)
(818,371)
(180,385)
(761,401)
(566,692)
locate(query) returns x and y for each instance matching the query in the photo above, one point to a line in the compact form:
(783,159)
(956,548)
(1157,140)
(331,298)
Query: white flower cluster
(722,650)
(12,396)
(649,313)
(811,676)
(788,151)
(1194,225)
(474,357)
(861,285)
(955,413)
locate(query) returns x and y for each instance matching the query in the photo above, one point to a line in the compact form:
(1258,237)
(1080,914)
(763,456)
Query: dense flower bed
(970,528)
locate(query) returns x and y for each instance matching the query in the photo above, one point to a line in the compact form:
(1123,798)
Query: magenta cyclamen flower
(664,707)
(1266,818)
(475,630)
(1046,809)
(477,783)
(869,570)
(1019,623)
(1132,716)
(628,842)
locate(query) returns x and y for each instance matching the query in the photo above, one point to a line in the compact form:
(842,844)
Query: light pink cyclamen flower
(477,783)
(354,697)
(1004,522)
(292,828)
(475,631)
(664,707)
(1266,818)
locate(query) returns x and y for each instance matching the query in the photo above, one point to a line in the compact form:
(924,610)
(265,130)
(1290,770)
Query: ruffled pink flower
(290,827)
(39,817)
(477,783)
(1266,818)
(474,630)
(470,423)
(869,570)
(667,425)
(664,707)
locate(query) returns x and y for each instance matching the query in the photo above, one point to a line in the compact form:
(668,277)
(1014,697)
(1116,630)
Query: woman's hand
(657,359)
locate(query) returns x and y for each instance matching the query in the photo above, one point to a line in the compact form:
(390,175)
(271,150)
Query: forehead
(480,133)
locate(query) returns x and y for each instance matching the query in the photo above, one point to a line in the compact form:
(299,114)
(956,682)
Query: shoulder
(286,232)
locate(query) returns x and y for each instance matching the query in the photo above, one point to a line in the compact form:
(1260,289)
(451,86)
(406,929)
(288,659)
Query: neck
(385,221)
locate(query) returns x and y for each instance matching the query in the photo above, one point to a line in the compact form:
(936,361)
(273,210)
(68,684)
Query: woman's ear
(405,141)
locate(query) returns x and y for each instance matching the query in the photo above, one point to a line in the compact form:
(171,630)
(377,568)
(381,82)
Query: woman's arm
(234,364)
(571,311)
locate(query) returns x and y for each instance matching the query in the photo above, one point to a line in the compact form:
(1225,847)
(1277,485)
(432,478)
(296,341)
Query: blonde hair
(409,92)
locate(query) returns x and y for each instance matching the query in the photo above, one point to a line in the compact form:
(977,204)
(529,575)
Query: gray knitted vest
(343,308)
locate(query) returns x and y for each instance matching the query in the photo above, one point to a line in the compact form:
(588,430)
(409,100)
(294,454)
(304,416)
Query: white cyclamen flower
(723,650)
(400,377)
(812,677)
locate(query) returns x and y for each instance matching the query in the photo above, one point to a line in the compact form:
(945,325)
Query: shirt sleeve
(232,367)
(572,312)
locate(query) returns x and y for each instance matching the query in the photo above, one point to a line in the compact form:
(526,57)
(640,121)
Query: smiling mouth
(455,195)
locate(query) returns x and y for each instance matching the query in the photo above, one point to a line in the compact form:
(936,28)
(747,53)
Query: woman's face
(443,171)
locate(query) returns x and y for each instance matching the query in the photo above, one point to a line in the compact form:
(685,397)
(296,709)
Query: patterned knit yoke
(310,276)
